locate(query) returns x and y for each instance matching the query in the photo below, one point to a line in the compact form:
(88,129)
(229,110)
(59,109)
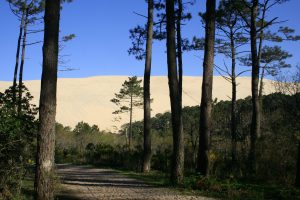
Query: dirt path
(83,182)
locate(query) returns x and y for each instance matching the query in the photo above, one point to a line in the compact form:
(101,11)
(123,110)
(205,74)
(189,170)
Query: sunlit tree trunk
(207,83)
(147,99)
(176,112)
(47,108)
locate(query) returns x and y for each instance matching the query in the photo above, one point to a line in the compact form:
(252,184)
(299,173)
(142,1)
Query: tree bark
(255,123)
(177,171)
(179,49)
(47,108)
(147,99)
(207,83)
(18,58)
(130,122)
(233,101)
(260,45)
(261,85)
(22,62)
(262,76)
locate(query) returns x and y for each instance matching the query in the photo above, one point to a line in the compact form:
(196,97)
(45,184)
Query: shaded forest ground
(77,182)
(85,182)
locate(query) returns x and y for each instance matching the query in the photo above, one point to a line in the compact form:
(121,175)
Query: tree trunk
(22,62)
(261,85)
(130,122)
(255,123)
(47,108)
(233,102)
(207,83)
(147,99)
(297,181)
(176,112)
(17,58)
(262,76)
(261,35)
(194,145)
(179,49)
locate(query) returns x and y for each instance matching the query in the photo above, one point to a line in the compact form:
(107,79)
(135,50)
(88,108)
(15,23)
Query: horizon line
(86,77)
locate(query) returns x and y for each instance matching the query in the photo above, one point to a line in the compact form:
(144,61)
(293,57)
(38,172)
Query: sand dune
(88,99)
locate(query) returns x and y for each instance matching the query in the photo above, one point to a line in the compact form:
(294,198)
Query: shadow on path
(87,177)
(88,183)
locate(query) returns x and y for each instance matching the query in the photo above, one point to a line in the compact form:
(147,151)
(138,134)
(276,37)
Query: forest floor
(86,182)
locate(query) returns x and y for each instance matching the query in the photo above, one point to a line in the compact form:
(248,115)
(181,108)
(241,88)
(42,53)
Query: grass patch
(221,189)
(235,190)
(28,188)
(155,178)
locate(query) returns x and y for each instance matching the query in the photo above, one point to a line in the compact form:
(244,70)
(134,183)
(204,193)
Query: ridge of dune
(88,99)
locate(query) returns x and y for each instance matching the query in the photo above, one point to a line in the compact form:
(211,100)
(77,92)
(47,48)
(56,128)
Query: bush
(18,131)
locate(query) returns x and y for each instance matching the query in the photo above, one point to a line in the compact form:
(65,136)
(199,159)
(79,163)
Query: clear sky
(102,39)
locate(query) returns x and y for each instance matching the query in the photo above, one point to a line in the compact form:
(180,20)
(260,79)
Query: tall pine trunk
(260,45)
(177,171)
(22,62)
(179,49)
(262,75)
(233,101)
(255,123)
(147,99)
(130,122)
(47,109)
(207,83)
(14,88)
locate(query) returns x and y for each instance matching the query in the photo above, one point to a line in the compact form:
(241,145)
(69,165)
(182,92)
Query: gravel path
(83,182)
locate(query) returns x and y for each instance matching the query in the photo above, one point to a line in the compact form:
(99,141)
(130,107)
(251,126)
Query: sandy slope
(88,99)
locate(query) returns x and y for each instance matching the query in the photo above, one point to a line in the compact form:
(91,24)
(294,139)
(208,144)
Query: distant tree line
(277,148)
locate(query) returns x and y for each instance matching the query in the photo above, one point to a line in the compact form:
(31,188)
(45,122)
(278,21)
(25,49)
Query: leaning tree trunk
(255,123)
(47,109)
(14,88)
(233,101)
(147,99)
(207,83)
(22,62)
(178,140)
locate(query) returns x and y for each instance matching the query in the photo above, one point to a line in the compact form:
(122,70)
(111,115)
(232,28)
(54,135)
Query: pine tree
(177,172)
(47,108)
(230,39)
(26,11)
(147,98)
(129,97)
(207,83)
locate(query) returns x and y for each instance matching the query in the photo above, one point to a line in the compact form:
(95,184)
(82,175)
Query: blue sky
(102,39)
